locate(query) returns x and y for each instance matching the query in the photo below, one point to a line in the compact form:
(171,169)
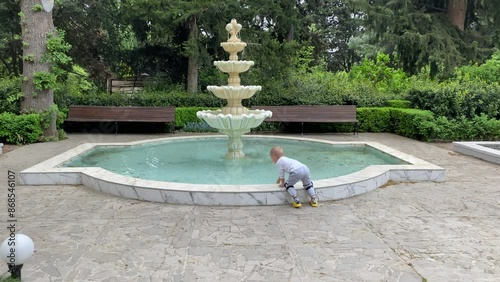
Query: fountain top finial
(234,29)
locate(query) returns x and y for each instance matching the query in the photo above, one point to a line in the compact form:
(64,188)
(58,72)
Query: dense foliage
(20,129)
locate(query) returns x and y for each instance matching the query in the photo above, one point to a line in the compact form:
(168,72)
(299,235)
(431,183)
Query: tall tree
(441,34)
(331,24)
(456,13)
(38,95)
(96,33)
(10,43)
(281,18)
(188,26)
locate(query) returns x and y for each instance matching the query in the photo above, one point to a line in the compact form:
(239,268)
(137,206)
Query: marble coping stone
(50,172)
(485,150)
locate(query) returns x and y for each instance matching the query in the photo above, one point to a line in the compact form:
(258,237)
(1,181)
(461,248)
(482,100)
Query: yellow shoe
(313,202)
(296,203)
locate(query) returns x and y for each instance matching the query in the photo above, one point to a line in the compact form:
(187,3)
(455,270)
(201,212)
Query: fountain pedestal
(234,120)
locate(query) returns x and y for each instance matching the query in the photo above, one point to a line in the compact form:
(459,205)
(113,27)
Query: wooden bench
(121,114)
(126,85)
(326,114)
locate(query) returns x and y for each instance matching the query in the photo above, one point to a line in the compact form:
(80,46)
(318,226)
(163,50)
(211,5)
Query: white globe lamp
(15,250)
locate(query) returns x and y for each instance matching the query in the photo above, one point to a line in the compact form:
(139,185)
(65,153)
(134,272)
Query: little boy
(296,171)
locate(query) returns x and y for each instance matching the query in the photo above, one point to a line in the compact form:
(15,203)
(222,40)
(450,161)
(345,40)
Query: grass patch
(10,279)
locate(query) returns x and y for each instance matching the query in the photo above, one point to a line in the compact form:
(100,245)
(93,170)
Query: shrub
(150,99)
(442,102)
(486,128)
(478,128)
(319,88)
(402,104)
(487,72)
(20,129)
(380,75)
(200,126)
(454,100)
(10,92)
(444,129)
(185,115)
(411,123)
(76,83)
(374,119)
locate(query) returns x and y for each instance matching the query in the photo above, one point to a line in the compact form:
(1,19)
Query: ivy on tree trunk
(36,24)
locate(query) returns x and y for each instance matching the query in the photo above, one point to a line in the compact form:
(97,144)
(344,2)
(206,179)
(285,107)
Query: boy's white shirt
(287,165)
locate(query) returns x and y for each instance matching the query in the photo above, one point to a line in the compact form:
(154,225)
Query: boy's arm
(281,181)
(281,178)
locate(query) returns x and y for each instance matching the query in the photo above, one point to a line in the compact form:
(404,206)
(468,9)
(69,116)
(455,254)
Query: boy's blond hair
(277,152)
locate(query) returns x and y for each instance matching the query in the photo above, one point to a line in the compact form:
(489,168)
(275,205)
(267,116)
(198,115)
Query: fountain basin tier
(231,47)
(52,172)
(233,66)
(234,92)
(237,122)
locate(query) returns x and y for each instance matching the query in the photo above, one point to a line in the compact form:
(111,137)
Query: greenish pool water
(201,160)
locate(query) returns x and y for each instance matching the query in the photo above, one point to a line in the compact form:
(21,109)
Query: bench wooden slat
(304,114)
(120,114)
(345,113)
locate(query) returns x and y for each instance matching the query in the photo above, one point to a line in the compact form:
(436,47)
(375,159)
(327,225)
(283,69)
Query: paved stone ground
(405,232)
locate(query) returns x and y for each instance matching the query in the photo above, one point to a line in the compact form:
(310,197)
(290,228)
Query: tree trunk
(289,36)
(35,25)
(192,80)
(456,13)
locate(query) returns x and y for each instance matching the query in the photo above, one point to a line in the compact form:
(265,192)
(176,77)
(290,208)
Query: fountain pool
(225,183)
(201,171)
(189,161)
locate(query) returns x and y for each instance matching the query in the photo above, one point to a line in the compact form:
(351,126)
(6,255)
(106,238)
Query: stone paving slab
(404,232)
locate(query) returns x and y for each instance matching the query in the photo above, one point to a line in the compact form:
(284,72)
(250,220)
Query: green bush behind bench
(185,115)
(20,129)
(454,100)
(402,104)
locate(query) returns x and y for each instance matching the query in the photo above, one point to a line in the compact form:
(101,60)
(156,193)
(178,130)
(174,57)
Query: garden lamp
(15,250)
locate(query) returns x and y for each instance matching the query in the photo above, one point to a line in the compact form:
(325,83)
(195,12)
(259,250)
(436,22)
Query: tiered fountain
(234,120)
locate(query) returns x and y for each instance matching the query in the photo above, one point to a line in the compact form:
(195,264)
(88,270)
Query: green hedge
(411,123)
(424,125)
(479,128)
(20,129)
(185,115)
(415,124)
(146,99)
(401,104)
(374,119)
(455,100)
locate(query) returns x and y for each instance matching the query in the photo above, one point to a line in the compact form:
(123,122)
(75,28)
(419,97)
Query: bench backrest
(342,113)
(124,114)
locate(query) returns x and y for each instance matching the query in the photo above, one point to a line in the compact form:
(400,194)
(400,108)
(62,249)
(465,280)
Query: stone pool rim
(372,177)
(479,149)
